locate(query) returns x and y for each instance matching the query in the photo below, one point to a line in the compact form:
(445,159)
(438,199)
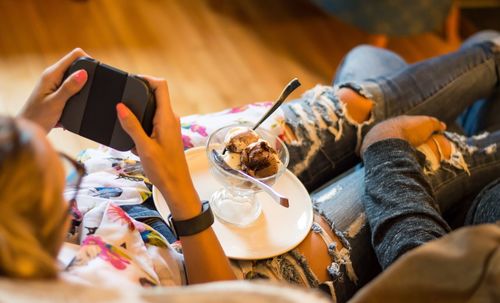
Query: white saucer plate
(276,231)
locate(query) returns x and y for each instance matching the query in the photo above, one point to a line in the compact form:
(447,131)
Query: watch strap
(193,225)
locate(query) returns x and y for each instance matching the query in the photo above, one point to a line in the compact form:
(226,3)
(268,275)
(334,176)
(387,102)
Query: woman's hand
(163,160)
(47,101)
(414,129)
(162,154)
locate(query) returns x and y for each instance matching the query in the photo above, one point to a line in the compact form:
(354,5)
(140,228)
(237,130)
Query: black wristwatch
(194,225)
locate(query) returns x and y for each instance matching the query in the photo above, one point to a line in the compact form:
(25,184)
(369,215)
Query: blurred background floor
(214,53)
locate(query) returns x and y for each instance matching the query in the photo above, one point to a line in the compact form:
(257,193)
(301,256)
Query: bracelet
(194,225)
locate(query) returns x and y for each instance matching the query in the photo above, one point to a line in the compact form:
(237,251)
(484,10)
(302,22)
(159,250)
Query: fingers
(418,129)
(436,125)
(430,126)
(443,144)
(131,125)
(414,129)
(57,69)
(440,146)
(72,85)
(160,87)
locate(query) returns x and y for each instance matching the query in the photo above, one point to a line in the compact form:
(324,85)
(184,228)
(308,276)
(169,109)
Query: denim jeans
(323,156)
(444,87)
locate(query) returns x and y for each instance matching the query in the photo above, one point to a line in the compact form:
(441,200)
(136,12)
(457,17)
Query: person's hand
(414,129)
(47,101)
(162,154)
(163,160)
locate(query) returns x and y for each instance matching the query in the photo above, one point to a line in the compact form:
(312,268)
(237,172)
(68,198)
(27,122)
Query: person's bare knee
(358,107)
(288,134)
(441,149)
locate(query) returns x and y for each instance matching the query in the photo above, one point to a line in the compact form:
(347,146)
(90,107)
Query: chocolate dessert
(247,152)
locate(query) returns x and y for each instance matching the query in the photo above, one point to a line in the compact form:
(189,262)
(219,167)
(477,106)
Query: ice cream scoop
(249,134)
(283,201)
(233,160)
(260,160)
(238,138)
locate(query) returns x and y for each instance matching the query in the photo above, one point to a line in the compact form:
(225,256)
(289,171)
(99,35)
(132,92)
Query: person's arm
(162,157)
(399,202)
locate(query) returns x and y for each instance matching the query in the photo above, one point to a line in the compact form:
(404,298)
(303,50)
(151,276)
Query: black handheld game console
(91,113)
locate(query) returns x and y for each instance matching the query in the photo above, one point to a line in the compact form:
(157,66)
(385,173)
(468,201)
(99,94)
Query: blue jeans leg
(367,62)
(340,202)
(441,87)
(324,140)
(484,114)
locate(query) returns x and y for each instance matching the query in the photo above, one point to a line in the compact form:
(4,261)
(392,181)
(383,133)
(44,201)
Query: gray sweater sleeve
(398,200)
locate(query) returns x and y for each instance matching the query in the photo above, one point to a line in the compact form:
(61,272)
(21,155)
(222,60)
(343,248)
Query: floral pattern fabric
(114,249)
(197,128)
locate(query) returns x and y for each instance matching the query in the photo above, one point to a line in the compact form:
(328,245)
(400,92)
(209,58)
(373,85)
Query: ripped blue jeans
(460,88)
(322,152)
(443,87)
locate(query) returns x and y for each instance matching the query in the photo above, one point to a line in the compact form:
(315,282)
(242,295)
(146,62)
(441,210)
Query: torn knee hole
(440,149)
(358,107)
(288,135)
(440,146)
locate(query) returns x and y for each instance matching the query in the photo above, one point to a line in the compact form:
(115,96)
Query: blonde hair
(28,249)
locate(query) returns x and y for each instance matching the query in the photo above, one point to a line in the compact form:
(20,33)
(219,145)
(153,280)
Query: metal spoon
(289,88)
(275,195)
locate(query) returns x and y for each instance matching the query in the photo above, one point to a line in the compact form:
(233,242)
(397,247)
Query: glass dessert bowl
(259,154)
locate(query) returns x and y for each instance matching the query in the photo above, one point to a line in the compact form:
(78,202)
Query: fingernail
(122,110)
(80,76)
(443,125)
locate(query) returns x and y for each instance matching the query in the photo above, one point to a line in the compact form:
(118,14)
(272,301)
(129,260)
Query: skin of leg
(313,247)
(316,252)
(358,107)
(440,146)
(317,115)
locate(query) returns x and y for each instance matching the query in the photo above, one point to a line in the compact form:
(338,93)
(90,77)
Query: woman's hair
(28,239)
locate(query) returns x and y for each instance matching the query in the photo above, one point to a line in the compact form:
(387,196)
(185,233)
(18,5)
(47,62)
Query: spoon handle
(283,201)
(289,88)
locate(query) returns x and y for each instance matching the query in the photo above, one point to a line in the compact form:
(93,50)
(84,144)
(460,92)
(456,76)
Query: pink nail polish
(80,76)
(122,110)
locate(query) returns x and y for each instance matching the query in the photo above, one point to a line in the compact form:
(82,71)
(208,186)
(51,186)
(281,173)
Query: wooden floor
(215,53)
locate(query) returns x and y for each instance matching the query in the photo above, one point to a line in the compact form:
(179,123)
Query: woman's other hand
(162,154)
(163,160)
(47,101)
(414,129)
